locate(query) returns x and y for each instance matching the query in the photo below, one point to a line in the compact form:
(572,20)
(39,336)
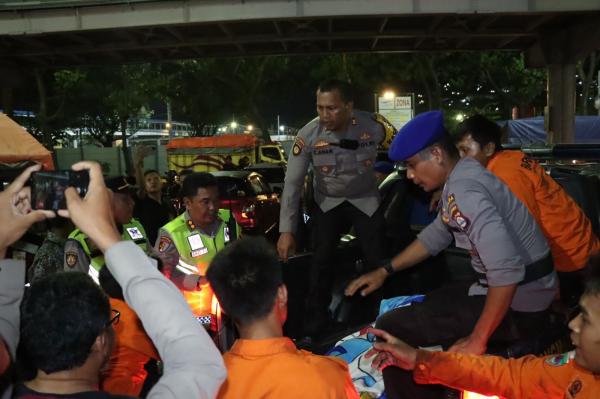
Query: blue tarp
(531,130)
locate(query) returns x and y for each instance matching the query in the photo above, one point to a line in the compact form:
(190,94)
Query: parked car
(251,200)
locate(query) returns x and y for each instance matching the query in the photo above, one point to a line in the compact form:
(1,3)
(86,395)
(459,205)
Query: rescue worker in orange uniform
(126,373)
(573,375)
(567,229)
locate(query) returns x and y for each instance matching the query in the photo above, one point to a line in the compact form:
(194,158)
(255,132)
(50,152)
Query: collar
(192,226)
(263,347)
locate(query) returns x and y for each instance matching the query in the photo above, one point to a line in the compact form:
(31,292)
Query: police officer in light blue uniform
(516,279)
(340,146)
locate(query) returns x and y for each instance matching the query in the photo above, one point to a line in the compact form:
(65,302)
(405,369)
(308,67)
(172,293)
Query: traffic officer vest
(196,250)
(132,231)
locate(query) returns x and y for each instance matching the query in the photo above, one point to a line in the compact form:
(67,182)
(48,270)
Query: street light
(459,117)
(249,128)
(233,125)
(389,95)
(282,128)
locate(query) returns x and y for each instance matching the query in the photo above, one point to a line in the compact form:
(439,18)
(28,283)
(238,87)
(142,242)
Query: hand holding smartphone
(48,188)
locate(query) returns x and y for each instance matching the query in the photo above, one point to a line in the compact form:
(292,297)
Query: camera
(48,188)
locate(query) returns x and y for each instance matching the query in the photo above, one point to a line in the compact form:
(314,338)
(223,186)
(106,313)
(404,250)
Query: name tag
(199,252)
(462,241)
(134,233)
(195,242)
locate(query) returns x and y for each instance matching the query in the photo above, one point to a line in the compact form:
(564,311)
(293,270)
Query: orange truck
(207,154)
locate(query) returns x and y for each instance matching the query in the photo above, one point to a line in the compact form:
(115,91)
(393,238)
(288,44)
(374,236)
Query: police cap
(419,133)
(120,184)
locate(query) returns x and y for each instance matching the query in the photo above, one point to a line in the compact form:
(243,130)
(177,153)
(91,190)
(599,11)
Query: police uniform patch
(298,145)
(558,360)
(71,259)
(324,169)
(164,243)
(321,143)
(191,225)
(354,121)
(461,220)
(365,136)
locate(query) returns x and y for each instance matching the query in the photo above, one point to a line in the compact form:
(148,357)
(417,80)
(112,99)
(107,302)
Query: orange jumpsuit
(275,368)
(566,227)
(133,349)
(550,377)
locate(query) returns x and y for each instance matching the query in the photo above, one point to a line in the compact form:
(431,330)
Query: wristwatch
(388,267)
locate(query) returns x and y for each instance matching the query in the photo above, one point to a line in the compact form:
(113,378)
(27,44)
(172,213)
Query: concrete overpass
(57,33)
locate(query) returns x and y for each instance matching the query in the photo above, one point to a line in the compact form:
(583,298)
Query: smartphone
(48,188)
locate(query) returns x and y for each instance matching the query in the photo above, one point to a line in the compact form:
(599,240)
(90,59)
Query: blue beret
(420,132)
(383,167)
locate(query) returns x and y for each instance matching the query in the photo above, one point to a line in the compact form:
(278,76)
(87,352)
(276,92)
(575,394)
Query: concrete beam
(162,13)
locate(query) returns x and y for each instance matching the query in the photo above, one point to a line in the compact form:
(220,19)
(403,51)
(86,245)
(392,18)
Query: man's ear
(437,154)
(489,149)
(282,295)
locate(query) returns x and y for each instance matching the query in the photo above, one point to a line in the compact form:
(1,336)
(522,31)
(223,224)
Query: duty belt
(533,271)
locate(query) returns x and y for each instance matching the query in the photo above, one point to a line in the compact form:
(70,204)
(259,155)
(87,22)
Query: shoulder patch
(71,258)
(558,360)
(298,145)
(164,243)
(461,220)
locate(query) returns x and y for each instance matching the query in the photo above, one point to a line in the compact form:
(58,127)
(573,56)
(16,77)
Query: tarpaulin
(532,131)
(221,141)
(17,145)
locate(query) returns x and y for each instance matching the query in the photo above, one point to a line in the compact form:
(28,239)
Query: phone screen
(48,188)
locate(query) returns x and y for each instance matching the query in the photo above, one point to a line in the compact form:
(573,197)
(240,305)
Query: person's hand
(286,246)
(471,345)
(391,351)
(435,198)
(16,215)
(142,151)
(93,214)
(370,281)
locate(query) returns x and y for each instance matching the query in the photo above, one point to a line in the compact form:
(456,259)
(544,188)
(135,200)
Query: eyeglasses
(114,319)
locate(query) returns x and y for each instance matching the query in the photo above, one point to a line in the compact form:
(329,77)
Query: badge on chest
(134,233)
(197,246)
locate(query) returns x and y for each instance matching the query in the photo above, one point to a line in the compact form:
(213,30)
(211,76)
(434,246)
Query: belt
(533,271)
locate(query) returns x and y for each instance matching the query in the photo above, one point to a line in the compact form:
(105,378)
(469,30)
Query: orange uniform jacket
(566,227)
(275,368)
(133,349)
(550,377)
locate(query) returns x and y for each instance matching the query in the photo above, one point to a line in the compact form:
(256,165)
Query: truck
(206,154)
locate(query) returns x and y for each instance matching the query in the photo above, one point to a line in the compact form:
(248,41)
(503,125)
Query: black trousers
(328,228)
(446,315)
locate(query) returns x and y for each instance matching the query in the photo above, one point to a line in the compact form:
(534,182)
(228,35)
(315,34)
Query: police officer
(81,254)
(341,147)
(187,244)
(516,279)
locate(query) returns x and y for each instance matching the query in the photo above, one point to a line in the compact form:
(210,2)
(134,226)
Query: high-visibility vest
(132,231)
(196,250)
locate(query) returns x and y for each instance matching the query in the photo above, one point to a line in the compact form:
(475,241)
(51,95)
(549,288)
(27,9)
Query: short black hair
(446,143)
(592,275)
(343,88)
(150,171)
(61,316)
(196,180)
(108,283)
(245,277)
(481,129)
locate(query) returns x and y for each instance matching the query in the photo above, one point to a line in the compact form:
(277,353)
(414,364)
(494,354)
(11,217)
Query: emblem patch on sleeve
(164,244)
(71,259)
(298,145)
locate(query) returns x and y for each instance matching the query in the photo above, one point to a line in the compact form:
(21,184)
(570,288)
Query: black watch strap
(388,267)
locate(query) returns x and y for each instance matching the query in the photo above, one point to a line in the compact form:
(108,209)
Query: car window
(259,185)
(229,187)
(271,152)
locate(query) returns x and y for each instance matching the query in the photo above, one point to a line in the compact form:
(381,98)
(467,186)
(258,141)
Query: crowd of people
(135,283)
